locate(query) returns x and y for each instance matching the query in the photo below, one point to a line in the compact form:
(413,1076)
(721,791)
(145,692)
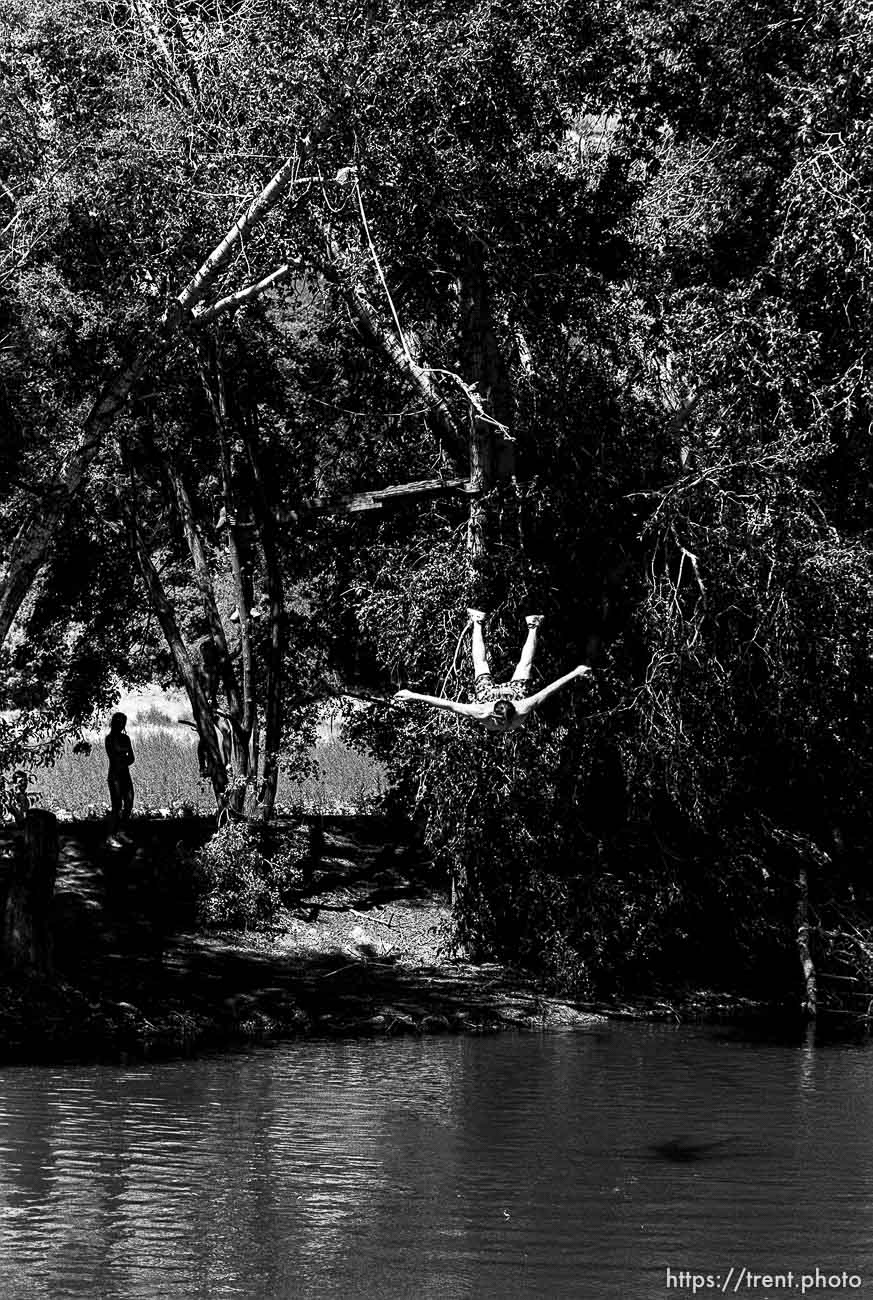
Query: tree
(556,284)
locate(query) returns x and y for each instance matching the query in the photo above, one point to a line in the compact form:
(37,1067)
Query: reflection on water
(563,1165)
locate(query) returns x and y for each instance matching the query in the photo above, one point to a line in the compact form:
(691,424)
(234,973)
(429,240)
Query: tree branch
(417,376)
(197,287)
(166,616)
(230,302)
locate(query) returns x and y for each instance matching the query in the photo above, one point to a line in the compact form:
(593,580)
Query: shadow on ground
(366,950)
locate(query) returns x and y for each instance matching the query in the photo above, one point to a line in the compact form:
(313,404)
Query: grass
(165,776)
(347,780)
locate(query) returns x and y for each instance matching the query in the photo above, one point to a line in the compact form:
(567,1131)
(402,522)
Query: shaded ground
(366,950)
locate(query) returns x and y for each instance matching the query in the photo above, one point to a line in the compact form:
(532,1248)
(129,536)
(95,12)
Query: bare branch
(232,301)
(418,376)
(168,71)
(198,286)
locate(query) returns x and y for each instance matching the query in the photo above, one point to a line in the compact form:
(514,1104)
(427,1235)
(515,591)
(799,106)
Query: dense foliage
(237,885)
(610,267)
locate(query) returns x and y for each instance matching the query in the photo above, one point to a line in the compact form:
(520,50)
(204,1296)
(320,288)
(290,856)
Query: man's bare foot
(534,620)
(475,616)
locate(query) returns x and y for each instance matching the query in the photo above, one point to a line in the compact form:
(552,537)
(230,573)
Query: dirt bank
(366,950)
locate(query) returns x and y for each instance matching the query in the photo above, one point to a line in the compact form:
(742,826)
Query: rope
(467,389)
(378,266)
(454,665)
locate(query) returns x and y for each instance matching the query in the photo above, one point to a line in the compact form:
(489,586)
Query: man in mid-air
(499,707)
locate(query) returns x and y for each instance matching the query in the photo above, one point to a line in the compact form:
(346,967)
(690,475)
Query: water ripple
(564,1165)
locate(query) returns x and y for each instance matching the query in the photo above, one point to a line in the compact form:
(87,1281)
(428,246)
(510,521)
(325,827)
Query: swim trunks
(486,690)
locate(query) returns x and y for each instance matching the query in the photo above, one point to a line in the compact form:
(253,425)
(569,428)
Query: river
(579,1164)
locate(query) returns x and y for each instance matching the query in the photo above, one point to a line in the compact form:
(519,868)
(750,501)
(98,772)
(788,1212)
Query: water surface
(582,1164)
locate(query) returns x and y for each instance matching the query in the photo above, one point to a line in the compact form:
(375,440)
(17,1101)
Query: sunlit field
(165,777)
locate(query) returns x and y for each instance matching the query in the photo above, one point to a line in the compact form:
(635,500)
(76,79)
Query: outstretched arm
(533,700)
(468,710)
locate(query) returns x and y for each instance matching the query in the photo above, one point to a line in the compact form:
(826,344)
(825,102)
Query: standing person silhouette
(120,753)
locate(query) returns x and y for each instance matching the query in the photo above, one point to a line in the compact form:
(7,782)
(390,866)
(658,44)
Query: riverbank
(366,950)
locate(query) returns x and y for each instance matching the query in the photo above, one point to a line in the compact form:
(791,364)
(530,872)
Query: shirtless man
(496,707)
(120,754)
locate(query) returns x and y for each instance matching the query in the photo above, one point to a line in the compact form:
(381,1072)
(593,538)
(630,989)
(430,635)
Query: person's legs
(480,654)
(116,801)
(525,664)
(127,802)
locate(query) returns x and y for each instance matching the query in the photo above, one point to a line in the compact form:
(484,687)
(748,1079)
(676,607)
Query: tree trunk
(273,710)
(244,593)
(492,450)
(243,721)
(806,963)
(203,578)
(482,479)
(30,546)
(27,936)
(273,705)
(204,717)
